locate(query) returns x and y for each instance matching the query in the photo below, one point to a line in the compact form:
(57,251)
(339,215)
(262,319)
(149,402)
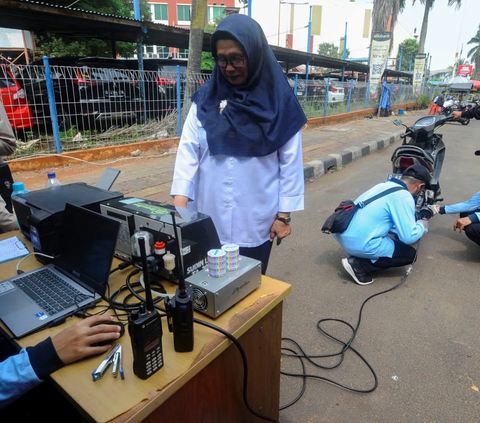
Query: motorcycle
(450,106)
(422,146)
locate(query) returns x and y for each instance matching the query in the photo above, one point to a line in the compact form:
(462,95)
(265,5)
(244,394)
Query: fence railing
(61,108)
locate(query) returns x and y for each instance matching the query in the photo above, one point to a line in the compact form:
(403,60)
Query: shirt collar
(399,182)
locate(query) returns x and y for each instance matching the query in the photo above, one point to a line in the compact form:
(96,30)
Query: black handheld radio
(180,307)
(145,328)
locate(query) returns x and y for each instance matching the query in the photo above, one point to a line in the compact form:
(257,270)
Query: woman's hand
(180,201)
(279,230)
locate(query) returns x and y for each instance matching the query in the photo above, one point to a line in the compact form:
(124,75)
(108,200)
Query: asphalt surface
(421,339)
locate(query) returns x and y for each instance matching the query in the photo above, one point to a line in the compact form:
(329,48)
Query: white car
(336,92)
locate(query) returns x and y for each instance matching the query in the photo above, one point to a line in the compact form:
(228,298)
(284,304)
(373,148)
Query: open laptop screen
(87,244)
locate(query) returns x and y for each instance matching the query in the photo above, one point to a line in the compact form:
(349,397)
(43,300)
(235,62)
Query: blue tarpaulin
(385,103)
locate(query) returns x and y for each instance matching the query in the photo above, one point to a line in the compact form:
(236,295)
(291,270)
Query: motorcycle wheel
(465,121)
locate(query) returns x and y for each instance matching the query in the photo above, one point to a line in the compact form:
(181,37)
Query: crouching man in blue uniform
(366,240)
(469,220)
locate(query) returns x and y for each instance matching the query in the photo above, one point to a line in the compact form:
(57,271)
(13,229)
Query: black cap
(419,172)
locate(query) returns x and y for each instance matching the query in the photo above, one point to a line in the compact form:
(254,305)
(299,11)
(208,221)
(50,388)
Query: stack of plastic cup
(216,263)
(232,258)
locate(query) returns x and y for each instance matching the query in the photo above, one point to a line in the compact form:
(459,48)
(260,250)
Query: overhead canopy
(38,17)
(397,74)
(459,83)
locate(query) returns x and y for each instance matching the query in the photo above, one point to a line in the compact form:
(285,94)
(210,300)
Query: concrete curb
(319,167)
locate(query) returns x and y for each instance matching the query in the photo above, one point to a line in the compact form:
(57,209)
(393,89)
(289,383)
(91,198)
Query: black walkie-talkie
(180,307)
(145,329)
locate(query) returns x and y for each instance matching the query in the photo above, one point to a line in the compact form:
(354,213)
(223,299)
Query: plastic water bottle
(18,188)
(52,181)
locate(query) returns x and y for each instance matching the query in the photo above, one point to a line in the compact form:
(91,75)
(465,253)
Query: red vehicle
(15,102)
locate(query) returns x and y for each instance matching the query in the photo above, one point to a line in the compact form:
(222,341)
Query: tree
(474,54)
(428,6)
(207,59)
(385,14)
(51,44)
(409,47)
(195,48)
(331,50)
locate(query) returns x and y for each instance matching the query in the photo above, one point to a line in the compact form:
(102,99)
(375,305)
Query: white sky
(448,28)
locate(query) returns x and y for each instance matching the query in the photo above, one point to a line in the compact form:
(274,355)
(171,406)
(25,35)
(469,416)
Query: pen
(122,375)
(116,360)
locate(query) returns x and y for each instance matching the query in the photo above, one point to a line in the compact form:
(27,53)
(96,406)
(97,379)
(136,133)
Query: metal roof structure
(397,74)
(39,16)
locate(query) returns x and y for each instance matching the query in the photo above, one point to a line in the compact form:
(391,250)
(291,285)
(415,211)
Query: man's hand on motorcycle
(434,209)
(457,114)
(461,223)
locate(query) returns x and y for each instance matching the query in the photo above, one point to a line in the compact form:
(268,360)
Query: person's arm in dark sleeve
(8,143)
(472,113)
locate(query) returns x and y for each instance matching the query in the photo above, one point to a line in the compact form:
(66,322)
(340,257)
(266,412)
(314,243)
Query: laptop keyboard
(49,291)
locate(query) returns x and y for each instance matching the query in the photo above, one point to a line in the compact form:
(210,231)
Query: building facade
(178,13)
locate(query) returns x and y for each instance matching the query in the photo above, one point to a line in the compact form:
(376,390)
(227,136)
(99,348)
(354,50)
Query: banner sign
(419,68)
(465,70)
(379,48)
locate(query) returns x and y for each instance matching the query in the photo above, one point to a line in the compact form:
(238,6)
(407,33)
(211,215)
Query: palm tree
(428,6)
(386,12)
(474,53)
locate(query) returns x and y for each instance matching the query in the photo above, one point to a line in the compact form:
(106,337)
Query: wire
(167,153)
(28,255)
(127,306)
(302,355)
(245,367)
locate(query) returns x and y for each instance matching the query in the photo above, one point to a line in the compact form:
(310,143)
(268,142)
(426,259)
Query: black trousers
(472,230)
(403,255)
(260,253)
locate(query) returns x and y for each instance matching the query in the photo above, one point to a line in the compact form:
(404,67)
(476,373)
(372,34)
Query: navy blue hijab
(261,115)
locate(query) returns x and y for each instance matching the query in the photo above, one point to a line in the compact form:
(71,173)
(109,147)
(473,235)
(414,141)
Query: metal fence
(61,108)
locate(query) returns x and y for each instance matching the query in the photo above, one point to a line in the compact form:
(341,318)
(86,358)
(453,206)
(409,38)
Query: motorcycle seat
(413,151)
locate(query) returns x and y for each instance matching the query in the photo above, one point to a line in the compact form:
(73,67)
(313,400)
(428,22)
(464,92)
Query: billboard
(465,70)
(419,68)
(379,48)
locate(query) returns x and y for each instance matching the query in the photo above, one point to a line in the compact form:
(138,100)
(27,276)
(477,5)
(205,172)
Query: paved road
(422,339)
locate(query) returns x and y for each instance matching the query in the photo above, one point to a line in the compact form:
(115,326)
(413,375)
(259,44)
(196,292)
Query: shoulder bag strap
(380,195)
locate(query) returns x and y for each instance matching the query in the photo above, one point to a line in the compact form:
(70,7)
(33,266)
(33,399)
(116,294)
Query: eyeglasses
(236,62)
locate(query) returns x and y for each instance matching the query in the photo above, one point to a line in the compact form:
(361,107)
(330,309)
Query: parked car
(161,83)
(15,103)
(336,92)
(89,92)
(300,86)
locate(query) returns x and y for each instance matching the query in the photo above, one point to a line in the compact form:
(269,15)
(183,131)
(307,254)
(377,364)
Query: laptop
(77,277)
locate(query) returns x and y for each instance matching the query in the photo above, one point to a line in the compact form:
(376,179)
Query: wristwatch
(285,220)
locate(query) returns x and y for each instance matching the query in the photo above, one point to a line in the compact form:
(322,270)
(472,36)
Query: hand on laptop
(74,342)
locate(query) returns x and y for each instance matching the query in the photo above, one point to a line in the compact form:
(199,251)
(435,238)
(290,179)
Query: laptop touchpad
(12,302)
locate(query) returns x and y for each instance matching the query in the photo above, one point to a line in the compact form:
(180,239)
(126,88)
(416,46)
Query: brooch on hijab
(222,105)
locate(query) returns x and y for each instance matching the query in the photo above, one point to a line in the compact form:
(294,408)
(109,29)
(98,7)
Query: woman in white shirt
(240,155)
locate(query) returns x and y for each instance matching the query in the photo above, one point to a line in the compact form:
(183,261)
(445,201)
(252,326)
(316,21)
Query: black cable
(126,306)
(245,368)
(302,355)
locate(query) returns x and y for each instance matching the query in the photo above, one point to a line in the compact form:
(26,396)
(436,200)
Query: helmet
(449,97)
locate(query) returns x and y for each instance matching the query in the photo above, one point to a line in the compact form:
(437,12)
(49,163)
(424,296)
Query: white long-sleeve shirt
(242,195)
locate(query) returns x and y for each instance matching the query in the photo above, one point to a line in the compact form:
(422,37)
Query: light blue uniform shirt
(16,377)
(366,236)
(242,195)
(467,206)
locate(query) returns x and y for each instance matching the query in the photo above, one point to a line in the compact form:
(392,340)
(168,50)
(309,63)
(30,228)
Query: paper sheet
(12,248)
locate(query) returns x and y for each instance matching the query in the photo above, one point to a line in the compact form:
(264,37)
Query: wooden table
(204,385)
